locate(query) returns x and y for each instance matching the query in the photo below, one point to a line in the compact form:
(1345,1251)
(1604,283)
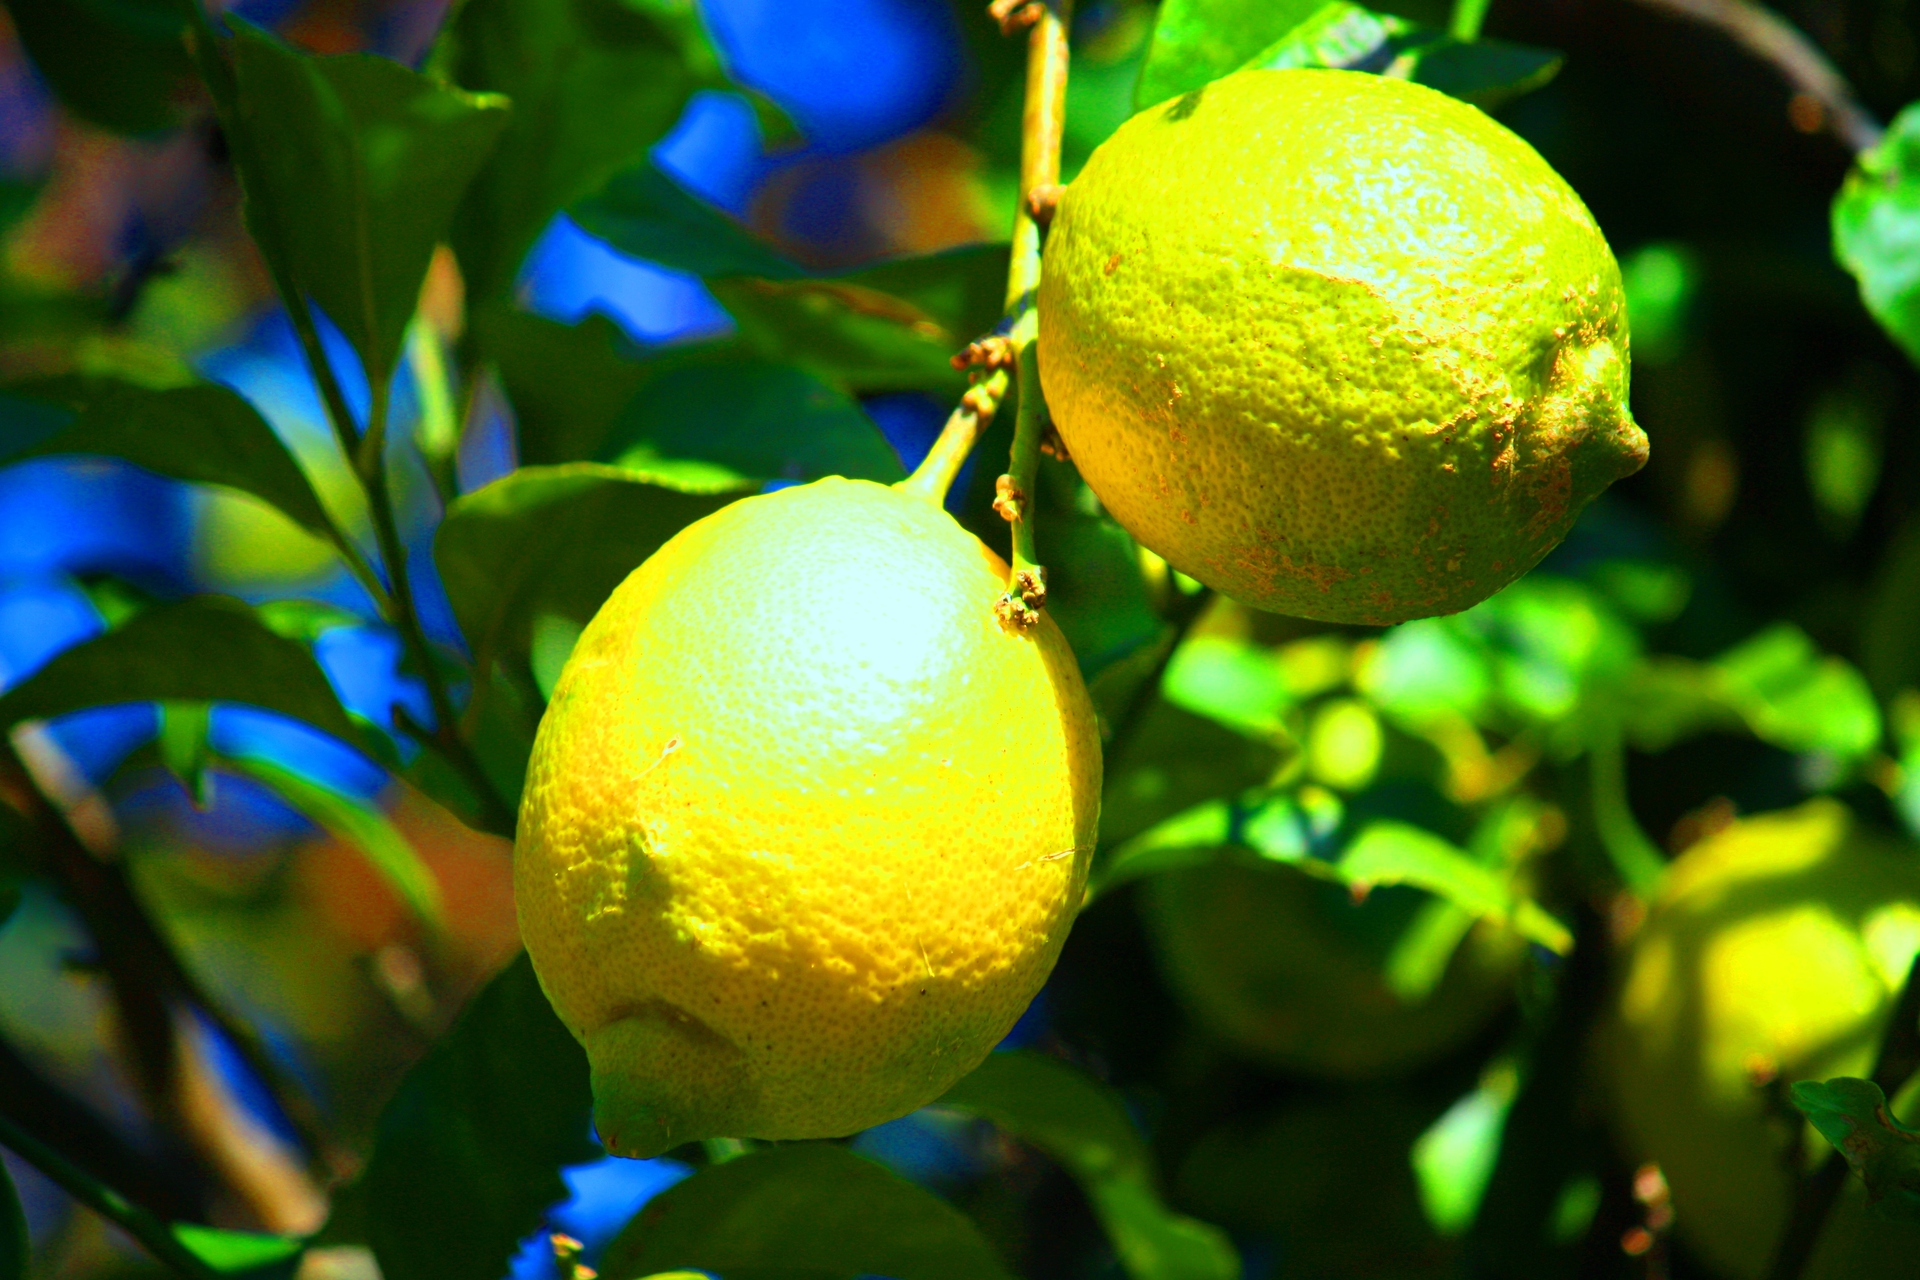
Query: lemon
(1775,949)
(1337,345)
(1293,973)
(804,826)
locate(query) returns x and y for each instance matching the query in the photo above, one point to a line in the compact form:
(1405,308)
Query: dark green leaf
(1174,760)
(810,1210)
(183,745)
(748,417)
(387,851)
(849,333)
(203,434)
(353,167)
(554,540)
(1195,41)
(468,1153)
(567,383)
(1876,229)
(1085,1126)
(1854,1116)
(15,1248)
(241,1253)
(1487,73)
(594,83)
(119,63)
(205,649)
(646,214)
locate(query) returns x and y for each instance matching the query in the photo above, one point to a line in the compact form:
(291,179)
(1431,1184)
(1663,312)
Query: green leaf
(1876,229)
(1195,41)
(646,214)
(202,649)
(1487,73)
(1174,760)
(751,418)
(183,745)
(119,63)
(850,334)
(387,851)
(1387,853)
(1792,695)
(353,166)
(468,1153)
(594,84)
(241,1253)
(1084,1125)
(810,1210)
(554,540)
(1854,1116)
(567,383)
(204,434)
(15,1247)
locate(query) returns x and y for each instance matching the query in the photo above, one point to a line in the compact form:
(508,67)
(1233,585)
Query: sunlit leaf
(119,65)
(244,1255)
(1084,1125)
(202,649)
(1454,1159)
(203,434)
(468,1153)
(353,166)
(809,1210)
(1396,853)
(1195,41)
(1172,761)
(183,744)
(554,540)
(1231,681)
(351,820)
(1876,229)
(1855,1117)
(594,84)
(1792,695)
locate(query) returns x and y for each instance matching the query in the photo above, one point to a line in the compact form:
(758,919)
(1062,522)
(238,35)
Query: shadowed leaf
(1876,230)
(809,1210)
(1084,1125)
(1854,1116)
(119,65)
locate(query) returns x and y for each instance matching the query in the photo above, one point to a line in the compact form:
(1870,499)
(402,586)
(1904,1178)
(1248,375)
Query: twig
(1634,856)
(964,427)
(1799,61)
(1898,1059)
(1467,17)
(138,1222)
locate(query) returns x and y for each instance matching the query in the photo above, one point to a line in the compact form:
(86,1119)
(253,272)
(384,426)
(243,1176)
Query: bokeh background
(1784,485)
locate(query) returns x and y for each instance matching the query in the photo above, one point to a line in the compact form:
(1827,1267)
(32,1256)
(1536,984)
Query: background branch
(1774,40)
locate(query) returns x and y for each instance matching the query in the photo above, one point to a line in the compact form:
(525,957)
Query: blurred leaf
(1173,760)
(1453,1160)
(554,540)
(594,84)
(1231,681)
(183,745)
(204,649)
(1487,73)
(646,214)
(1095,591)
(1294,827)
(387,851)
(1795,697)
(468,1154)
(1195,41)
(16,1250)
(1854,1116)
(1876,229)
(567,383)
(750,418)
(809,1211)
(1661,281)
(353,166)
(120,65)
(1844,448)
(241,1253)
(204,434)
(304,620)
(1084,1125)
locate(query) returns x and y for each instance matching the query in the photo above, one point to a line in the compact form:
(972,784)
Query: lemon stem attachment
(964,426)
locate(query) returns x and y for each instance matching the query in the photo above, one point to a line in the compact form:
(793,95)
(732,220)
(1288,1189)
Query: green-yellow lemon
(1773,952)
(1292,972)
(1335,344)
(804,826)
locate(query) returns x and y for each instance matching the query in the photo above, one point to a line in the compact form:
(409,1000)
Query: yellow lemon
(1774,952)
(804,827)
(1337,345)
(1294,973)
